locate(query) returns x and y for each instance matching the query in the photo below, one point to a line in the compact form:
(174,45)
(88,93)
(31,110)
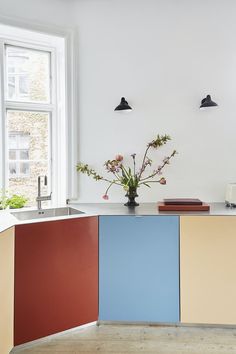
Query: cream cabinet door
(208,269)
(6,290)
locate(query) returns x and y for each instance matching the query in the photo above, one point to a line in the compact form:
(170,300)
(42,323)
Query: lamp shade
(123,106)
(207,102)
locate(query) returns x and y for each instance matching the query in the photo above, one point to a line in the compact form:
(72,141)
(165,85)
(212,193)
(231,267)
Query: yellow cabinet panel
(6,290)
(208,269)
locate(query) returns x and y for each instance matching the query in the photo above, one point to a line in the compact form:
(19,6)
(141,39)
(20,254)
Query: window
(33,117)
(19,154)
(28,74)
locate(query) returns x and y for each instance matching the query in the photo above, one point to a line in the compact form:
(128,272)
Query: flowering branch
(166,161)
(156,143)
(127,178)
(84,168)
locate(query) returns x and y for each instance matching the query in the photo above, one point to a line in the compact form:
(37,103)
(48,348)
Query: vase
(131,195)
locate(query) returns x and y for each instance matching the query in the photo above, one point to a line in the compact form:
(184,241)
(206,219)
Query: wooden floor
(121,339)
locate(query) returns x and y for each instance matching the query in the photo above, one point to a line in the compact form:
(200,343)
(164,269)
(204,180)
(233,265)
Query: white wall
(164,56)
(47,12)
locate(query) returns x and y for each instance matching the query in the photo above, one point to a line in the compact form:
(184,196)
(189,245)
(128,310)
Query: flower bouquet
(129,178)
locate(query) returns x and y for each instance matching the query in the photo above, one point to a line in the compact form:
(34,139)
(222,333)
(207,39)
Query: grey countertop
(147,209)
(91,209)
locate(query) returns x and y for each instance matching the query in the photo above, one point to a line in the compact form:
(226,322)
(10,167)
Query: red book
(183,207)
(183,201)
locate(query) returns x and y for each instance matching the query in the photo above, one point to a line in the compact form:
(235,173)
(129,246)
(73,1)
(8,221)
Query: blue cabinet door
(139,268)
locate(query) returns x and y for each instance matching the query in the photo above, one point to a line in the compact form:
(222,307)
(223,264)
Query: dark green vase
(131,195)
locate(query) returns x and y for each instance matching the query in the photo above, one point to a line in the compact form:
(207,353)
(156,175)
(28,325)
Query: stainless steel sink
(45,213)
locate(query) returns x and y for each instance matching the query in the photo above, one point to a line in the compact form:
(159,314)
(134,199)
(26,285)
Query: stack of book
(183,204)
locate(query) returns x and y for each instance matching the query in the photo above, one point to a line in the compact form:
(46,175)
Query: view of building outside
(28,77)
(28,152)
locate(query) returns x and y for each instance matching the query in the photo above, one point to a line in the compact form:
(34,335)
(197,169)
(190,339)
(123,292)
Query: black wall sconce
(123,106)
(207,102)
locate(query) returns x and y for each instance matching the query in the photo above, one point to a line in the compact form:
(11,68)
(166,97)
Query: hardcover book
(183,201)
(183,207)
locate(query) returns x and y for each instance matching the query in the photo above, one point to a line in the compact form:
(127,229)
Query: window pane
(11,80)
(28,74)
(24,154)
(23,85)
(23,141)
(12,154)
(12,168)
(11,91)
(31,131)
(24,168)
(12,141)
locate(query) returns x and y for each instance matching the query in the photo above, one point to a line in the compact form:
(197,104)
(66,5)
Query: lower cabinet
(139,268)
(208,269)
(56,277)
(56,273)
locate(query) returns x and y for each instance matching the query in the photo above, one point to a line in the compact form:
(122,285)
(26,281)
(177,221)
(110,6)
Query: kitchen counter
(147,209)
(92,209)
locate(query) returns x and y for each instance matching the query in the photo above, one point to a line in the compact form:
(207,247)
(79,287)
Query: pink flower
(162,180)
(112,166)
(105,196)
(119,157)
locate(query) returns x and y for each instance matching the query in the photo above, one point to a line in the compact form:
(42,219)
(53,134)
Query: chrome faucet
(40,198)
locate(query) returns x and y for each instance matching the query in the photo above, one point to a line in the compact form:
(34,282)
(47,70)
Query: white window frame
(58,110)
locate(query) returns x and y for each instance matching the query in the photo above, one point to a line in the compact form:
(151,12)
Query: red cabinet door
(56,277)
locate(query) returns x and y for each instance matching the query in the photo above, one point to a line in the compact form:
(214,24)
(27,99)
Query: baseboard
(166,324)
(139,323)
